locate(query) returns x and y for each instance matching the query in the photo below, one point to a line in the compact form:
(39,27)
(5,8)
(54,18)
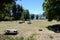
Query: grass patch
(21,38)
(14,38)
(5,37)
(31,38)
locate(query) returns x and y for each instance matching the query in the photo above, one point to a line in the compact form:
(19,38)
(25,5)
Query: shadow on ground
(55,28)
(10,34)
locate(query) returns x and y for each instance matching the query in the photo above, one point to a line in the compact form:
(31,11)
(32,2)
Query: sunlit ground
(27,30)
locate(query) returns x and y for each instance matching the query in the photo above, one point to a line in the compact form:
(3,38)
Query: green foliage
(32,16)
(17,11)
(10,38)
(37,16)
(52,9)
(7,18)
(21,38)
(44,13)
(5,7)
(26,14)
(14,38)
(22,17)
(31,38)
(21,13)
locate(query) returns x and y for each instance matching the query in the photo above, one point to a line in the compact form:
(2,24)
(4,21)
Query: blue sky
(34,6)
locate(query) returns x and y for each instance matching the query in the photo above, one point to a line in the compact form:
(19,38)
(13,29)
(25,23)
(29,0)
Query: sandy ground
(27,30)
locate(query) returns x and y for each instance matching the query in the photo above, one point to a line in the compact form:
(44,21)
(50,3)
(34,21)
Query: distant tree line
(18,13)
(9,10)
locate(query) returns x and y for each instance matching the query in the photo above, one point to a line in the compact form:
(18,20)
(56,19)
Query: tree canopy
(32,16)
(37,16)
(52,9)
(26,14)
(17,11)
(5,7)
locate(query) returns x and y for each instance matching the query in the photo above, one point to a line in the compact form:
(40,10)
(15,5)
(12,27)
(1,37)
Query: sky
(34,6)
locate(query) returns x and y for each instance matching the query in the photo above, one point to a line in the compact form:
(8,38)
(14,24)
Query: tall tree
(27,15)
(5,7)
(32,16)
(37,16)
(52,9)
(17,11)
